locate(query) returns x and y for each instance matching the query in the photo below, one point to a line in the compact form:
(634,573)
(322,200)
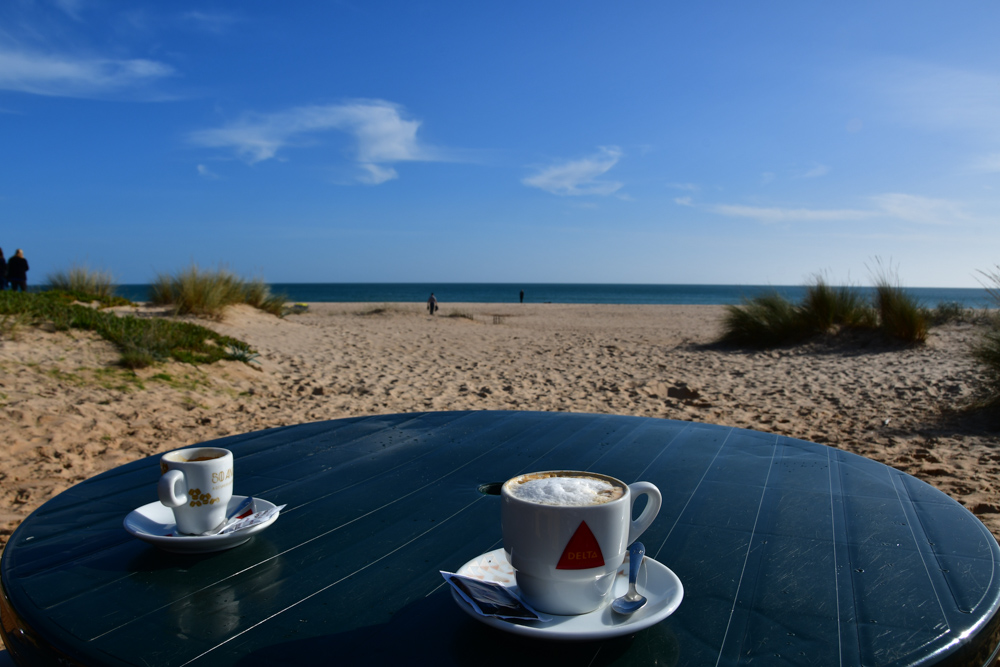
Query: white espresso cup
(566,534)
(197,484)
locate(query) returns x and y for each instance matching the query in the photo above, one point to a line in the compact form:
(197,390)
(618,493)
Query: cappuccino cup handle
(637,527)
(167,489)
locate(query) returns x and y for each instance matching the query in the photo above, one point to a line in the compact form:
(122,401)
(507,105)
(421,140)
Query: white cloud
(205,172)
(66,76)
(987,163)
(579,177)
(777,214)
(896,206)
(922,210)
(373,174)
(683,201)
(381,134)
(939,97)
(815,172)
(209,21)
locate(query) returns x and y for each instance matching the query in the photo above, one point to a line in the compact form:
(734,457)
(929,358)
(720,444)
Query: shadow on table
(433,630)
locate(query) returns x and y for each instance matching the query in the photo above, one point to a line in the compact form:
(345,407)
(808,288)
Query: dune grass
(766,320)
(85,281)
(899,315)
(770,319)
(381,309)
(195,291)
(141,342)
(987,349)
(80,283)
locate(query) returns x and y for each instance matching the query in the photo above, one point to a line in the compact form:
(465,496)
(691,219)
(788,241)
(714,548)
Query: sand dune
(69,412)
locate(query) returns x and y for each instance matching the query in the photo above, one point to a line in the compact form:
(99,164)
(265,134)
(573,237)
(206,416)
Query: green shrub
(900,316)
(987,352)
(11,324)
(194,291)
(987,349)
(382,309)
(161,291)
(951,311)
(770,319)
(140,341)
(239,351)
(824,307)
(83,281)
(763,321)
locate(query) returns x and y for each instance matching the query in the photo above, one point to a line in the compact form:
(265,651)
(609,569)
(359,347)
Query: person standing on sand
(432,304)
(17,271)
(3,271)
(522,296)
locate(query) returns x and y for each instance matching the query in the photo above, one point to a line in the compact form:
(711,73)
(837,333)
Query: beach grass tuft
(766,320)
(825,307)
(900,316)
(81,280)
(195,291)
(987,349)
(12,323)
(770,319)
(383,309)
(952,311)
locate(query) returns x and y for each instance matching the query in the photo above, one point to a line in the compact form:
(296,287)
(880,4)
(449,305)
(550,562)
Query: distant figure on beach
(432,304)
(3,271)
(522,296)
(17,271)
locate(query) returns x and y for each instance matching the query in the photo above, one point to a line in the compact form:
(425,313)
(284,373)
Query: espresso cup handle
(167,489)
(653,501)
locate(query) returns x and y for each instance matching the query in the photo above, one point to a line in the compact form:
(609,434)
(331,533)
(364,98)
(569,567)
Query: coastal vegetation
(987,350)
(85,282)
(142,342)
(195,291)
(770,319)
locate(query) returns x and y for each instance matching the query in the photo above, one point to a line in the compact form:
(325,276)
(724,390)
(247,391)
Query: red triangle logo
(583,552)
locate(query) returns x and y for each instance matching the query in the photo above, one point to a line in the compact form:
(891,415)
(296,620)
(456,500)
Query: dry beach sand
(68,412)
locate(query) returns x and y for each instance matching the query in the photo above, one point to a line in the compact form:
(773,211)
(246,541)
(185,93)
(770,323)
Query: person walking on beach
(522,296)
(17,271)
(3,271)
(432,304)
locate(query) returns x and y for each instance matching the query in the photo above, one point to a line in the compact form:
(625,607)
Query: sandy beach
(69,412)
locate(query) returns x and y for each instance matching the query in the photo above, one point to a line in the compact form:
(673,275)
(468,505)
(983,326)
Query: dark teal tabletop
(790,553)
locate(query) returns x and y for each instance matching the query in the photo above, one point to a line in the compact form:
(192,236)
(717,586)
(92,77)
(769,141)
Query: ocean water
(567,293)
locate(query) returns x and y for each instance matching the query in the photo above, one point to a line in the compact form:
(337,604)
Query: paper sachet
(489,598)
(252,520)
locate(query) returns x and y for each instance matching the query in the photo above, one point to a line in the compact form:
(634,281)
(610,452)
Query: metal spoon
(631,601)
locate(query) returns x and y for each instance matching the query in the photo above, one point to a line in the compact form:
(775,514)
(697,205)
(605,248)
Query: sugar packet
(252,520)
(489,598)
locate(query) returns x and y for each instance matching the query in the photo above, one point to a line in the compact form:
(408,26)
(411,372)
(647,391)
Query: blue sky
(726,142)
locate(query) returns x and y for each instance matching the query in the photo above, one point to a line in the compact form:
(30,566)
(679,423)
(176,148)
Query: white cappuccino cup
(197,484)
(566,534)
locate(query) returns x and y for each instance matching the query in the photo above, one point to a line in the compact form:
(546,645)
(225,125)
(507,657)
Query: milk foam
(573,491)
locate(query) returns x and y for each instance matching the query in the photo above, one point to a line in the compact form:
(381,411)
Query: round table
(789,552)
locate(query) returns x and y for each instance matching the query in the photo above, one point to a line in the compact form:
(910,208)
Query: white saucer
(154,523)
(656,581)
